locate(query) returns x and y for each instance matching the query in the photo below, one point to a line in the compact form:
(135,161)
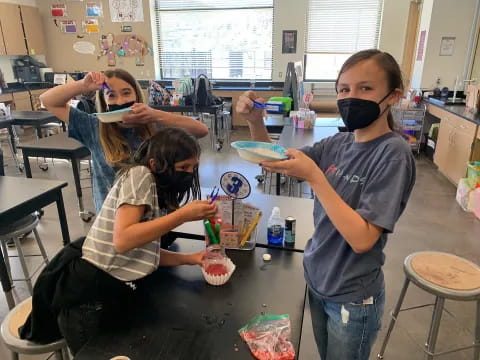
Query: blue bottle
(275,228)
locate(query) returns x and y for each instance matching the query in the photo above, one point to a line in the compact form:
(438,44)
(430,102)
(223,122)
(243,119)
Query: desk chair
(9,332)
(445,276)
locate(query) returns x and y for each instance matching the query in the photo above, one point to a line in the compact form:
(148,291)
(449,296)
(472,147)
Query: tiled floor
(432,220)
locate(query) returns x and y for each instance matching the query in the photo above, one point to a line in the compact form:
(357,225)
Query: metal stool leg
(21,257)
(433,333)
(40,246)
(394,316)
(6,258)
(476,350)
(14,356)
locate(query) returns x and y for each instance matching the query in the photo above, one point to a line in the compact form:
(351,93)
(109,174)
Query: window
(223,39)
(335,30)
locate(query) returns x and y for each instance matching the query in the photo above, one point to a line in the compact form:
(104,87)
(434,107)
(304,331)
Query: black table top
(59,142)
(459,110)
(16,193)
(301,209)
(182,317)
(296,138)
(4,123)
(33,115)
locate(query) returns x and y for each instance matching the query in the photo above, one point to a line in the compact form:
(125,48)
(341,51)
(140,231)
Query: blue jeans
(346,331)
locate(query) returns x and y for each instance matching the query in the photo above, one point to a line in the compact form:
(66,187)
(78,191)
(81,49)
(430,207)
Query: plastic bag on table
(268,337)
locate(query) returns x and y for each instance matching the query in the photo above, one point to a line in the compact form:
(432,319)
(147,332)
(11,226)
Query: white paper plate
(112,116)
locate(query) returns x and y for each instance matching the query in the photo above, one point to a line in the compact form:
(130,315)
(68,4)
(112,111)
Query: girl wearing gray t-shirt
(362,180)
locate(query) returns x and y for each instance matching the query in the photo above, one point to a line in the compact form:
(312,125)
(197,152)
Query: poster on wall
(94,9)
(90,26)
(68,26)
(447,45)
(58,10)
(421,45)
(126,10)
(289,41)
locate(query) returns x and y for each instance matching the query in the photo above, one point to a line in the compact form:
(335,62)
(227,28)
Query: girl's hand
(141,114)
(246,108)
(196,258)
(298,165)
(198,210)
(93,81)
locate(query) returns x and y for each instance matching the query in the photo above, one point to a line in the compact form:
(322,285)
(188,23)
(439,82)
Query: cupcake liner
(218,280)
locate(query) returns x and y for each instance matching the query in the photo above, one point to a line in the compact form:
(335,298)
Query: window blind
(342,26)
(223,39)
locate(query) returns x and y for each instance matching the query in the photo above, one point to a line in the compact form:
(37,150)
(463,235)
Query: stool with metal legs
(15,231)
(445,276)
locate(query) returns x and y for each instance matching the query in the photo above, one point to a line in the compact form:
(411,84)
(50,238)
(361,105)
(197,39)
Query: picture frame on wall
(289,41)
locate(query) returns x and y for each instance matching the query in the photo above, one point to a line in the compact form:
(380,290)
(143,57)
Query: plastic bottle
(275,228)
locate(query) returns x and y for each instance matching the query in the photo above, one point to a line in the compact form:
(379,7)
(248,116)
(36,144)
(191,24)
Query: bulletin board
(90,56)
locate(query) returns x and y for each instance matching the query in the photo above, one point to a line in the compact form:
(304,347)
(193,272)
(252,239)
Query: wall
(21,2)
(289,15)
(62,57)
(442,23)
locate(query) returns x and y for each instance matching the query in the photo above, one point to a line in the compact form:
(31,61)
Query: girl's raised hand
(245,107)
(93,81)
(298,165)
(198,210)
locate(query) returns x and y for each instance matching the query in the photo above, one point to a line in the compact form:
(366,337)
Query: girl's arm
(170,258)
(56,99)
(253,116)
(130,233)
(360,234)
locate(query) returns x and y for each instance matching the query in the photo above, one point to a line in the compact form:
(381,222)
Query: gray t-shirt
(375,178)
(84,128)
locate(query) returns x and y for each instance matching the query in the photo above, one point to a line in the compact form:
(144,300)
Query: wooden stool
(447,277)
(9,330)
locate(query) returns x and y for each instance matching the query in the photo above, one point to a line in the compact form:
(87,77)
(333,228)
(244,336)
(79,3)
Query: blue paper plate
(256,151)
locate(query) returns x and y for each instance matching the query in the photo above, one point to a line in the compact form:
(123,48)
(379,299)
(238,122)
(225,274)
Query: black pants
(80,323)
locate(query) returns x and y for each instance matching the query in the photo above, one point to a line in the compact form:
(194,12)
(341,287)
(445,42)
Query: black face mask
(359,113)
(180,182)
(113,107)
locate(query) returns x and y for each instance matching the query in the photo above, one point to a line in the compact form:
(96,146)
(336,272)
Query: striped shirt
(136,187)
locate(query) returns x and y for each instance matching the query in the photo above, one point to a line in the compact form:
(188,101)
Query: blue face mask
(359,113)
(114,107)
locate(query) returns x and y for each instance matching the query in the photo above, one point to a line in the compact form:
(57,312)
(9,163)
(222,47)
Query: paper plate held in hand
(112,116)
(256,151)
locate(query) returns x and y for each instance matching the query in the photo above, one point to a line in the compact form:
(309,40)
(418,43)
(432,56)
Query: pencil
(250,229)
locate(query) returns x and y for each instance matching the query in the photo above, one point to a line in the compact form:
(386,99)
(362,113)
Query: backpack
(203,95)
(158,94)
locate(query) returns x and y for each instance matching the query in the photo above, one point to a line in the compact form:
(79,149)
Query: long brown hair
(114,144)
(387,63)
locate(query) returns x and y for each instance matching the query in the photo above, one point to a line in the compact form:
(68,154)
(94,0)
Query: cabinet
(12,29)
(22,100)
(32,25)
(2,43)
(456,137)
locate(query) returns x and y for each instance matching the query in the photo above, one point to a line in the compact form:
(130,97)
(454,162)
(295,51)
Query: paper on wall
(126,10)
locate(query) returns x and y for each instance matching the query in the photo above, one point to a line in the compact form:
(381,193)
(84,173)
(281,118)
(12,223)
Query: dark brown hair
(387,63)
(114,144)
(167,147)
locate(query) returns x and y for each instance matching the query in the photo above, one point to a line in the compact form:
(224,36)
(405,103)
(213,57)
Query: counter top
(19,87)
(459,110)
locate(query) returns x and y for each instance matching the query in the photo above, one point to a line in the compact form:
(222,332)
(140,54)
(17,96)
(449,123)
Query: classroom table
(180,316)
(20,197)
(301,209)
(35,119)
(59,146)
